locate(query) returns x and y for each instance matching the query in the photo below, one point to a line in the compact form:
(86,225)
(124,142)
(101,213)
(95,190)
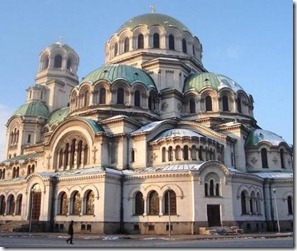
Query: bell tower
(58,65)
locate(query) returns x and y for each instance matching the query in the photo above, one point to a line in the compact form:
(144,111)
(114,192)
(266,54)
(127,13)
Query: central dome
(152,19)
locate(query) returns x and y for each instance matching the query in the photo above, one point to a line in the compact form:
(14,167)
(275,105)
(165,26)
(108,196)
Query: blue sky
(249,41)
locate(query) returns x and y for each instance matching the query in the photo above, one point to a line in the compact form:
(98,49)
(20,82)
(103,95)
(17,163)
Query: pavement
(148,237)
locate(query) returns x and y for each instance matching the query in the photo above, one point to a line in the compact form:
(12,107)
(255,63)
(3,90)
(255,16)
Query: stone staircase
(227,230)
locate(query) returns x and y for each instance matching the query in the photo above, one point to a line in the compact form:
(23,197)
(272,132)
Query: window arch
(163,154)
(184,46)
(171,42)
(126,44)
(178,153)
(63,207)
(170,202)
(140,41)
(225,104)
(170,153)
(282,158)
(75,203)
(69,64)
(58,61)
(115,49)
(102,96)
(137,98)
(2,204)
(208,103)
(239,105)
(153,203)
(156,40)
(258,203)
(139,204)
(244,197)
(212,185)
(264,158)
(10,205)
(18,209)
(120,96)
(186,152)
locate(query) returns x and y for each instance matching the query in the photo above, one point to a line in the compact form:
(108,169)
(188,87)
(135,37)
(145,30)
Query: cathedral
(150,142)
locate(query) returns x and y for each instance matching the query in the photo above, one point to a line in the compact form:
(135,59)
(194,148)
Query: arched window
(10,205)
(170,153)
(2,204)
(177,153)
(264,158)
(19,200)
(184,46)
(156,40)
(140,41)
(132,155)
(139,204)
(102,99)
(89,203)
(69,64)
(46,63)
(258,203)
(137,98)
(290,204)
(63,204)
(115,49)
(66,151)
(239,105)
(192,105)
(79,153)
(171,42)
(225,104)
(252,203)
(208,103)
(126,44)
(163,154)
(58,61)
(243,202)
(194,153)
(86,98)
(170,202)
(120,96)
(200,153)
(211,188)
(76,203)
(72,153)
(282,158)
(206,189)
(153,203)
(186,153)
(193,47)
(86,153)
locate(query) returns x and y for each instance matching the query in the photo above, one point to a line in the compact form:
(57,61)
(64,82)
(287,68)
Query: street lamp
(276,212)
(169,220)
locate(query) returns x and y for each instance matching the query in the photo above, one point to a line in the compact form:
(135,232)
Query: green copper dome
(200,81)
(58,116)
(152,19)
(115,72)
(33,109)
(260,135)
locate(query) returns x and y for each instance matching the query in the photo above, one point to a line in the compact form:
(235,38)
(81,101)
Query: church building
(147,143)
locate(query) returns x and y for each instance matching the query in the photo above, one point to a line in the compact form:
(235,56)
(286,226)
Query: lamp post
(169,220)
(276,211)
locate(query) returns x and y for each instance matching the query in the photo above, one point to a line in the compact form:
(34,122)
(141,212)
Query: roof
(33,109)
(259,135)
(58,115)
(215,81)
(148,127)
(20,158)
(153,19)
(177,132)
(274,175)
(115,72)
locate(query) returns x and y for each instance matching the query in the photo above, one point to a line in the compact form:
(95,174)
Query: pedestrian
(70,232)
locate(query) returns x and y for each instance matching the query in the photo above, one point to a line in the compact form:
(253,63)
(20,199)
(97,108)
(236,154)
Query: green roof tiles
(152,19)
(115,72)
(259,135)
(33,109)
(58,116)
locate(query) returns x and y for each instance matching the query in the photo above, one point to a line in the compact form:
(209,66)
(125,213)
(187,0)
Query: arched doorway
(35,202)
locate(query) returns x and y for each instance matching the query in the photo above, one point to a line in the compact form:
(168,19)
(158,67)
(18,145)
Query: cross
(61,40)
(153,8)
(94,157)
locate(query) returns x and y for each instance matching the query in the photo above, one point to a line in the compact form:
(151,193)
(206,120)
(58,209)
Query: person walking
(70,232)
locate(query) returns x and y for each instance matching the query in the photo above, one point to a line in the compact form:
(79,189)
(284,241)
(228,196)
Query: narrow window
(89,203)
(243,203)
(132,155)
(137,98)
(208,103)
(156,41)
(282,158)
(139,204)
(163,154)
(58,61)
(69,64)
(29,138)
(171,42)
(192,105)
(126,45)
(264,158)
(115,49)
(170,153)
(290,205)
(225,103)
(186,153)
(102,96)
(140,41)
(239,105)
(153,203)
(120,96)
(170,202)
(184,46)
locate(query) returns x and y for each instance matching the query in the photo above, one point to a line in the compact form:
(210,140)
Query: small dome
(259,135)
(58,116)
(153,19)
(177,133)
(200,81)
(33,109)
(115,72)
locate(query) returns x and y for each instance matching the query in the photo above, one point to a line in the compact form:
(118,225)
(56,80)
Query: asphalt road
(26,241)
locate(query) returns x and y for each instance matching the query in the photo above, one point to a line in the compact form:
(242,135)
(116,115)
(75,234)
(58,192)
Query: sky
(250,41)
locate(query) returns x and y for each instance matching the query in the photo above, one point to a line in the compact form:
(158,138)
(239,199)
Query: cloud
(5,114)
